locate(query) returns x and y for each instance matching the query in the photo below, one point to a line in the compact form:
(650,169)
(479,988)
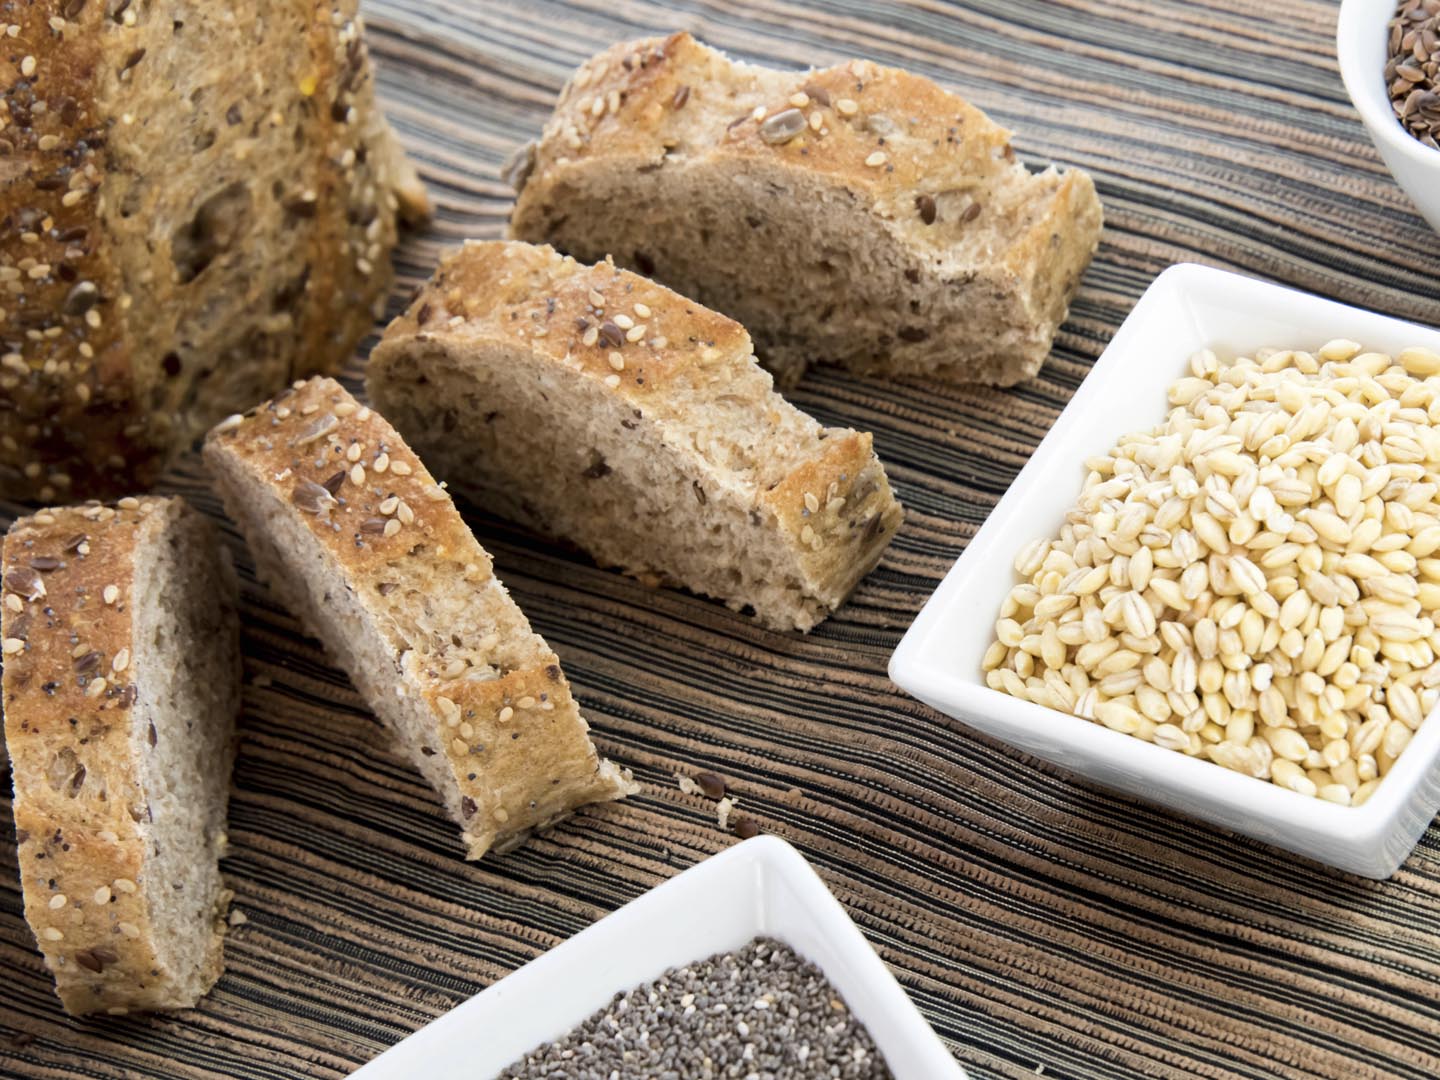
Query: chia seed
(760,1013)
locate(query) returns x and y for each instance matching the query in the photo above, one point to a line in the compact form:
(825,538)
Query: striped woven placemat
(1037,921)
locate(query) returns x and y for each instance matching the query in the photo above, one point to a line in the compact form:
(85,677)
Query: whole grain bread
(858,215)
(597,406)
(121,685)
(198,204)
(356,537)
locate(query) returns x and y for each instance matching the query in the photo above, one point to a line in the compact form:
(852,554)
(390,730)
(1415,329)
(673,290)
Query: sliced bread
(599,407)
(199,202)
(121,684)
(356,537)
(858,215)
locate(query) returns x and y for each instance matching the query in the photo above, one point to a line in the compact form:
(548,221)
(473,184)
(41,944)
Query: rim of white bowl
(1365,81)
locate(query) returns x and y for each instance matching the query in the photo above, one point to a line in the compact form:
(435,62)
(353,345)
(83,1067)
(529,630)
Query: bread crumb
(686,785)
(722,811)
(237,918)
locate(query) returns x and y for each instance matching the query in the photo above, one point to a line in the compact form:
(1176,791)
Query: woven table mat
(1037,921)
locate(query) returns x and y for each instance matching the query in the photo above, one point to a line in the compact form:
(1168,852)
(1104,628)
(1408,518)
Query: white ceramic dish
(1362,46)
(938,661)
(760,887)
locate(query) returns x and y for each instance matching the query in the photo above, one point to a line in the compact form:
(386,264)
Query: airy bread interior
(185,654)
(540,443)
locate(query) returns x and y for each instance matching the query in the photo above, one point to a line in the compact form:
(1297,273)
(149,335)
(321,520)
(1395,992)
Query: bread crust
(876,141)
(78,796)
(516,746)
(93,400)
(834,507)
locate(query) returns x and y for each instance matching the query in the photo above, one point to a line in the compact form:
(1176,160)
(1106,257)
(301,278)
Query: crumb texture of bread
(356,537)
(857,215)
(121,687)
(200,204)
(596,406)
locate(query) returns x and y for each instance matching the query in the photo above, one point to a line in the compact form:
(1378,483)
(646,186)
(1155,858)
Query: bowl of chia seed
(1389,53)
(742,966)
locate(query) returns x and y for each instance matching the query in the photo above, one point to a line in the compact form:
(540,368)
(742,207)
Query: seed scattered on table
(1256,580)
(760,1012)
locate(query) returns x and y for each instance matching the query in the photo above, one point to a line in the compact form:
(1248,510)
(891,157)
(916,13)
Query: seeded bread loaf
(355,536)
(199,202)
(121,684)
(597,406)
(858,215)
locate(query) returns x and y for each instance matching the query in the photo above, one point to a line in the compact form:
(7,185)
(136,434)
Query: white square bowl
(938,661)
(759,888)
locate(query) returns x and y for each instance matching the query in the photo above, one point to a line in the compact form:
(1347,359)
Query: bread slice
(857,215)
(200,201)
(121,684)
(599,407)
(355,536)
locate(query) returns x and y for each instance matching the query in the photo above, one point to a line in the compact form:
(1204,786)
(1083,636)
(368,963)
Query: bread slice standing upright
(858,215)
(597,406)
(121,684)
(199,202)
(357,538)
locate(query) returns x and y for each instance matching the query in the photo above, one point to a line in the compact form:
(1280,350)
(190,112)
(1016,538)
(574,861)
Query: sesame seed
(230,423)
(97,686)
(807,534)
(102,895)
(129,929)
(876,159)
(459,746)
(111,593)
(635,333)
(400,468)
(357,475)
(363,414)
(344,408)
(382,462)
(121,661)
(758,114)
(128,503)
(811,502)
(387,506)
(505,714)
(846,107)
(467,731)
(612,381)
(391,528)
(405,514)
(27,66)
(70,198)
(590,336)
(52,934)
(354,452)
(617,361)
(502,815)
(800,99)
(596,299)
(14,602)
(124,885)
(58,901)
(12,646)
(436,494)
(526,702)
(642,310)
(623,321)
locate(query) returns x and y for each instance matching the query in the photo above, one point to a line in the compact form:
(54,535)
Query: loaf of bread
(599,407)
(121,683)
(858,215)
(199,203)
(356,537)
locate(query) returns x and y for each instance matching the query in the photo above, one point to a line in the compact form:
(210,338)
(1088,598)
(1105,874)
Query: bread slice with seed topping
(858,215)
(200,201)
(121,684)
(599,407)
(356,537)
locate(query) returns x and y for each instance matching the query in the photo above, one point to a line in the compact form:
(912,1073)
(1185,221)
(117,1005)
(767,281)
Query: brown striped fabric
(1037,921)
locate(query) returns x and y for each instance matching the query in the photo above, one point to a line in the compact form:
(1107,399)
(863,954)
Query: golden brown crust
(84,409)
(530,296)
(516,745)
(68,631)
